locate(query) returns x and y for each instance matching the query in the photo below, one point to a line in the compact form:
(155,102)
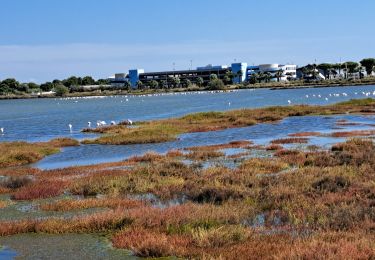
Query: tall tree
(369,65)
(199,81)
(279,74)
(88,80)
(154,84)
(325,67)
(48,86)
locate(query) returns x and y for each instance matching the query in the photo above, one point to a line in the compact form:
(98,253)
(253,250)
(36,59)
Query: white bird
(319,96)
(100,123)
(129,122)
(326,99)
(228,103)
(289,102)
(89,124)
(113,123)
(2,130)
(307,96)
(70,127)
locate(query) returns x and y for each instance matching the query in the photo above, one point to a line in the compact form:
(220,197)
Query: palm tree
(140,84)
(267,76)
(279,74)
(254,78)
(200,81)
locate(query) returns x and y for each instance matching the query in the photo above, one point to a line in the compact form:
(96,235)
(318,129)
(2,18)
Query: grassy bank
(169,129)
(296,204)
(272,85)
(21,153)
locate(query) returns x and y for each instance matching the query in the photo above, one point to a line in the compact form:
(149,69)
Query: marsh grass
(291,140)
(40,190)
(296,204)
(21,153)
(74,204)
(168,129)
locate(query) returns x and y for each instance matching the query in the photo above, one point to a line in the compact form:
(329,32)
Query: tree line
(71,84)
(350,67)
(77,84)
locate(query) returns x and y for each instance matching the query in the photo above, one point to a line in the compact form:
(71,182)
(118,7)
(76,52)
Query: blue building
(238,72)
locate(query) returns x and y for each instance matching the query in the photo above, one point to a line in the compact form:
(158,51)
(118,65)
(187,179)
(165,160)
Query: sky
(42,40)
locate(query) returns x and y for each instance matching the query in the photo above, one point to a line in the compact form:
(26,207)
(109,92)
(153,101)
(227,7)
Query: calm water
(259,134)
(43,119)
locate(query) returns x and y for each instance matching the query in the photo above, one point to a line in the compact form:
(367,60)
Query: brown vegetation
(168,129)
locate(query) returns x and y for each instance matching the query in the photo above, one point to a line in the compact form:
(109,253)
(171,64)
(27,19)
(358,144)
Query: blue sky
(42,39)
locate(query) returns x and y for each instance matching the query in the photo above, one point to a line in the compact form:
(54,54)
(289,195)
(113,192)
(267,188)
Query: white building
(276,72)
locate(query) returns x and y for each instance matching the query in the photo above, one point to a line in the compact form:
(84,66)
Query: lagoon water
(43,119)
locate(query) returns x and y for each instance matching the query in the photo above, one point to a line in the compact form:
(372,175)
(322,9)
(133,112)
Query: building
(238,72)
(119,80)
(275,72)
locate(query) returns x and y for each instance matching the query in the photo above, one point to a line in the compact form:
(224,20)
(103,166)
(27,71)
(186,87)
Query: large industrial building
(239,72)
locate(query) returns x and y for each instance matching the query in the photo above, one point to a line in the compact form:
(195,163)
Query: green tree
(267,76)
(48,86)
(11,83)
(350,67)
(279,74)
(163,84)
(102,82)
(140,85)
(216,84)
(369,65)
(213,76)
(4,89)
(154,84)
(61,90)
(88,80)
(326,68)
(33,85)
(127,85)
(227,79)
(23,87)
(200,81)
(71,81)
(254,78)
(186,83)
(175,81)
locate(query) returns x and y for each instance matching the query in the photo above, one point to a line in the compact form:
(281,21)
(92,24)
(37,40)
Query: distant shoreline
(271,86)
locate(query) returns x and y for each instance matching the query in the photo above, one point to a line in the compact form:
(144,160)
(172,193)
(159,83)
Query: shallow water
(260,134)
(43,119)
(68,246)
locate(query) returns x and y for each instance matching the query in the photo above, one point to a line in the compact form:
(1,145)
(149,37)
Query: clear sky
(45,39)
